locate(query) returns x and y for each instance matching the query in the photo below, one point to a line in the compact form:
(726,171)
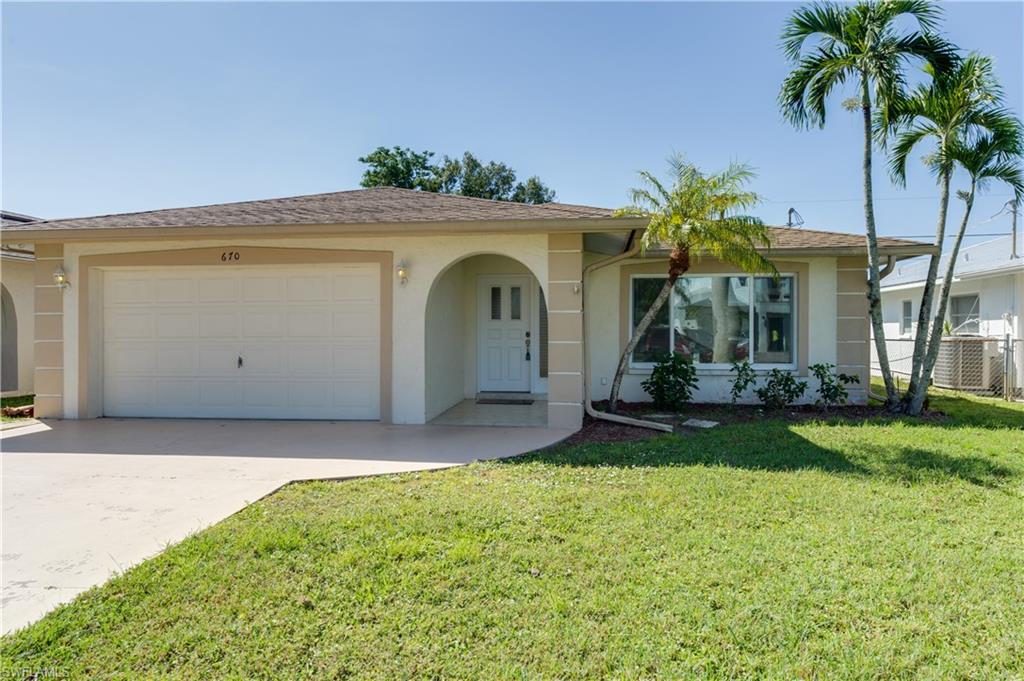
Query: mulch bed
(18,412)
(743,413)
(596,430)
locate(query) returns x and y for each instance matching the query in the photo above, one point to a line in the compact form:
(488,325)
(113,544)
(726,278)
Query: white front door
(268,342)
(505,344)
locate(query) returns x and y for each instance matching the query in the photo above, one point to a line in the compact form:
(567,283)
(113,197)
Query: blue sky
(124,107)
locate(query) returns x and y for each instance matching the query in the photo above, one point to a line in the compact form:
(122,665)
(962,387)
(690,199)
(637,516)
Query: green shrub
(780,389)
(832,389)
(745,378)
(671,382)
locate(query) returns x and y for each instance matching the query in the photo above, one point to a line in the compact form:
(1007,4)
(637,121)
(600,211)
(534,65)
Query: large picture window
(718,319)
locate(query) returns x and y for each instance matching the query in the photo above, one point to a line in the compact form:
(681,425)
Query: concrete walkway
(83,500)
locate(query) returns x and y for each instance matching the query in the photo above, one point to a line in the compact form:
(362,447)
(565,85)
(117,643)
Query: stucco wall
(996,295)
(426,256)
(19,279)
(445,343)
(604,328)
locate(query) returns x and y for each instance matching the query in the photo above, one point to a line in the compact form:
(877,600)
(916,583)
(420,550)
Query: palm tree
(697,215)
(991,157)
(859,42)
(951,112)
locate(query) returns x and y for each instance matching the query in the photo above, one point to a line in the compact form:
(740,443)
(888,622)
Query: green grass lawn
(771,549)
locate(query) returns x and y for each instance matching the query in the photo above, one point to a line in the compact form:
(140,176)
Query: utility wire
(948,236)
(889,198)
(1001,211)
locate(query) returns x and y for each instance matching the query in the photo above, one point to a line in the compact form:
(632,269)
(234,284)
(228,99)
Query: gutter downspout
(632,249)
(890,265)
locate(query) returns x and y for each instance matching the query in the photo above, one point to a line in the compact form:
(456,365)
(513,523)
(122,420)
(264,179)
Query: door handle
(240,362)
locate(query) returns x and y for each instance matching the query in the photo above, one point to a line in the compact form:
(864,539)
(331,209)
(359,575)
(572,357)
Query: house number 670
(229,255)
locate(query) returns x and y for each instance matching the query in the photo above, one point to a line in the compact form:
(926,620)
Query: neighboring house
(394,305)
(17,311)
(986,299)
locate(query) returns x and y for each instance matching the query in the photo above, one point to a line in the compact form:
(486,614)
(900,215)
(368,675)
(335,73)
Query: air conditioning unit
(973,364)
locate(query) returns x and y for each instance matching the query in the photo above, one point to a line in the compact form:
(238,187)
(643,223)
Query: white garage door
(289,342)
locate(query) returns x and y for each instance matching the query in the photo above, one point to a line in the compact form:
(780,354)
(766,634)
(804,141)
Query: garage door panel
(130,391)
(356,286)
(176,359)
(356,321)
(175,290)
(263,323)
(130,290)
(263,359)
(219,393)
(309,288)
(309,323)
(130,358)
(263,289)
(176,324)
(356,359)
(347,395)
(218,290)
(256,393)
(308,395)
(218,324)
(309,341)
(217,358)
(173,392)
(129,325)
(312,359)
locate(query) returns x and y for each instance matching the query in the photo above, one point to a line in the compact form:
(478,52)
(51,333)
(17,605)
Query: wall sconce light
(402,271)
(60,277)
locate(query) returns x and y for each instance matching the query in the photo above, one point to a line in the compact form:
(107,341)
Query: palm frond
(827,19)
(705,214)
(805,90)
(928,14)
(901,149)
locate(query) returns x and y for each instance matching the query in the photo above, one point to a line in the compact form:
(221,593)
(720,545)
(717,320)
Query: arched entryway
(8,342)
(486,344)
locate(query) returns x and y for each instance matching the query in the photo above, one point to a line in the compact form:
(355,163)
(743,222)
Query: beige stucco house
(397,305)
(17,312)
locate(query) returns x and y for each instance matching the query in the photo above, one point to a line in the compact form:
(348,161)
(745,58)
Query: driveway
(84,500)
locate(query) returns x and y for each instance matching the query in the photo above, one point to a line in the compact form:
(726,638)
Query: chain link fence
(983,366)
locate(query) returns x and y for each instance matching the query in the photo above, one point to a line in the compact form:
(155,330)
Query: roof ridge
(402,190)
(206,205)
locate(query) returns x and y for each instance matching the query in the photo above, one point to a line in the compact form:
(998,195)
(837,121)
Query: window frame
(721,367)
(906,329)
(977,314)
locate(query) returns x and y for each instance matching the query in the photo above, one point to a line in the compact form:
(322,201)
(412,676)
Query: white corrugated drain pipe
(633,249)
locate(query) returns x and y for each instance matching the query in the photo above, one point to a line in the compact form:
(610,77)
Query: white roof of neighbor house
(986,259)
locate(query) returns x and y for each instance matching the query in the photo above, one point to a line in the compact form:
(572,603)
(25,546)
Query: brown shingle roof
(360,206)
(795,238)
(392,206)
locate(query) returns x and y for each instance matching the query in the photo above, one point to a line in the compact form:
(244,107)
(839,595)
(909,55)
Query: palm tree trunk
(724,320)
(874,279)
(679,262)
(918,382)
(935,339)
